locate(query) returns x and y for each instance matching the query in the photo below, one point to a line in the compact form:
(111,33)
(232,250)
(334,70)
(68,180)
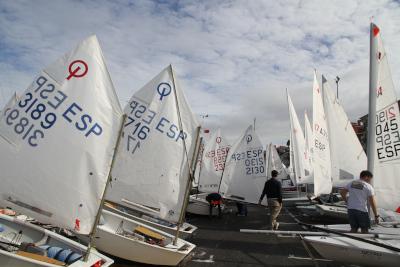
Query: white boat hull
(113,237)
(30,233)
(343,249)
(291,202)
(309,210)
(199,205)
(333,211)
(185,231)
(375,229)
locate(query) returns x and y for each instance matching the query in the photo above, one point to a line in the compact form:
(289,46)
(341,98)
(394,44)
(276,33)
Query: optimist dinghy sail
(321,149)
(62,135)
(11,103)
(214,158)
(347,155)
(384,140)
(274,162)
(244,174)
(297,144)
(308,149)
(152,164)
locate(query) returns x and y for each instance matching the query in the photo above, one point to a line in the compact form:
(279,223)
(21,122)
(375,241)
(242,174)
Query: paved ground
(219,242)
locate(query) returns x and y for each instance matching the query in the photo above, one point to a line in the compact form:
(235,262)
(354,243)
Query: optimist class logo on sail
(43,104)
(142,121)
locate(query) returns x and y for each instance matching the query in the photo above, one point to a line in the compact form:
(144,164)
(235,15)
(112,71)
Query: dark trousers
(242,208)
(211,208)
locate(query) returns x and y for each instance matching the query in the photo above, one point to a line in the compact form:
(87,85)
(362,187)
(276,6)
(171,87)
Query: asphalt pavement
(220,242)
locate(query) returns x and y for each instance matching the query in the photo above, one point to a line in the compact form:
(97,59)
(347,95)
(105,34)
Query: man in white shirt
(360,193)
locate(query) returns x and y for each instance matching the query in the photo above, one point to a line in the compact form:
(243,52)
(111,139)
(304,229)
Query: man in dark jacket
(273,190)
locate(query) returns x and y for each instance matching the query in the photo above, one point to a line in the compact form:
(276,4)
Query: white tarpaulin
(214,157)
(151,167)
(386,167)
(244,174)
(321,150)
(348,158)
(297,144)
(62,135)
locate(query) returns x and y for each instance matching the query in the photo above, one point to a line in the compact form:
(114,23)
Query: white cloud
(234,58)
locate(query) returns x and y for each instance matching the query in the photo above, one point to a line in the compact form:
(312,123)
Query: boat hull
(110,240)
(348,250)
(186,230)
(34,234)
(199,205)
(337,212)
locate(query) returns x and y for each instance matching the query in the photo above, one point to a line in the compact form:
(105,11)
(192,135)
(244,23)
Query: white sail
(291,167)
(199,163)
(62,135)
(244,174)
(152,164)
(385,142)
(321,150)
(297,143)
(308,150)
(214,157)
(11,103)
(274,162)
(348,158)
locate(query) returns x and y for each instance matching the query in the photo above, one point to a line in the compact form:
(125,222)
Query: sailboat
(308,148)
(244,175)
(297,144)
(383,161)
(210,174)
(153,168)
(274,162)
(57,144)
(348,158)
(297,157)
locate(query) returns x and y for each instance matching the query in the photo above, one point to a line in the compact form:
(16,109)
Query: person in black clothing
(215,200)
(273,190)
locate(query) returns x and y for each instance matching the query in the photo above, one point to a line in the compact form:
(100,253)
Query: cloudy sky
(234,59)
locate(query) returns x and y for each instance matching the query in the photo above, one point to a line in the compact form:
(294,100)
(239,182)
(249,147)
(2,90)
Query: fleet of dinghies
(383,161)
(124,179)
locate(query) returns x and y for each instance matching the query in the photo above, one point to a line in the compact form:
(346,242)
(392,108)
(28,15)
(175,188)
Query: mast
(98,215)
(373,79)
(201,151)
(190,174)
